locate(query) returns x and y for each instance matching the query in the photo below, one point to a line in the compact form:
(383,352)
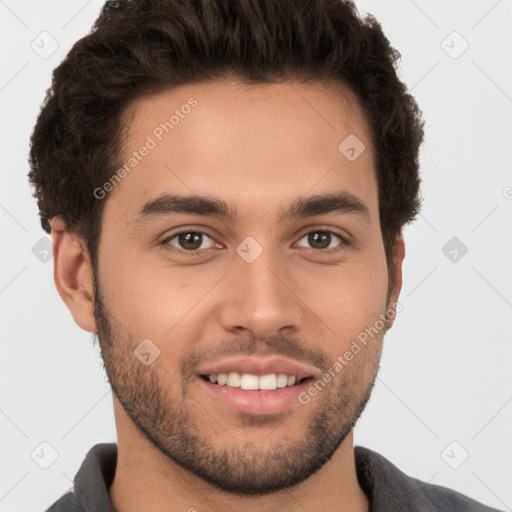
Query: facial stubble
(177,424)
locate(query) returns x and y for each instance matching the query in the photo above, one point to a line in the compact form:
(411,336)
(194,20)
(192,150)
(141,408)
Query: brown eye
(322,240)
(189,240)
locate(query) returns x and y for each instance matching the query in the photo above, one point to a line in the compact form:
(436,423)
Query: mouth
(256,386)
(252,382)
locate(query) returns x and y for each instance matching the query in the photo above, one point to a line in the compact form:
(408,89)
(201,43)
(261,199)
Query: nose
(260,299)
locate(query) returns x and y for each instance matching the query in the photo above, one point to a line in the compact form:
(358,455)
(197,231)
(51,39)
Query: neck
(146,479)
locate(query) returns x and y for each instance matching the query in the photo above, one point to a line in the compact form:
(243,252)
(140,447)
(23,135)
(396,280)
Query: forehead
(250,144)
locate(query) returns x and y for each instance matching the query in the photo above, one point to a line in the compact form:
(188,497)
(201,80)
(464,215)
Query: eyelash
(165,243)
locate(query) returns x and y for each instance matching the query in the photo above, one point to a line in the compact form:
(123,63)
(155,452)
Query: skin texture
(258,148)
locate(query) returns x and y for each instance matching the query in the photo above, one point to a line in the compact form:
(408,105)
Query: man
(226,185)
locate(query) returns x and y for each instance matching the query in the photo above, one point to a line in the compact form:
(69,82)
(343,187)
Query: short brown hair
(140,46)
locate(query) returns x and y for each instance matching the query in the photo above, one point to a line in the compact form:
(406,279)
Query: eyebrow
(340,202)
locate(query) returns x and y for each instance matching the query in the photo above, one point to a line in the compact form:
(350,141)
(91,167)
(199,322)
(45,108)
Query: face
(240,262)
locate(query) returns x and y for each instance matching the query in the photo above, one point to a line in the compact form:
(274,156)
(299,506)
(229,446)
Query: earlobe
(396,277)
(73,274)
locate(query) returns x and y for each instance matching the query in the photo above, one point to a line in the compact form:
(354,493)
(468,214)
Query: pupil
(190,240)
(320,238)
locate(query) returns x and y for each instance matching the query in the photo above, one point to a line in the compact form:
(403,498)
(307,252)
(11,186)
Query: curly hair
(141,46)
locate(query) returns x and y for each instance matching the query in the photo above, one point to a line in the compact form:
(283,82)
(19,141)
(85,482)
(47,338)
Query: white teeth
(268,382)
(282,380)
(249,381)
(233,380)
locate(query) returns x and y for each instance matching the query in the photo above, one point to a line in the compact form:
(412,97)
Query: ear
(395,279)
(72,272)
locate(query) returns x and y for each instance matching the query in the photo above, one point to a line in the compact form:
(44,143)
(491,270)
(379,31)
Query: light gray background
(445,374)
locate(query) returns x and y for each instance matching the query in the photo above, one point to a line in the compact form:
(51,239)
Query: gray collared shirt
(387,488)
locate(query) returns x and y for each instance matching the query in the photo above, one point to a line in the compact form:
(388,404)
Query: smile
(248,381)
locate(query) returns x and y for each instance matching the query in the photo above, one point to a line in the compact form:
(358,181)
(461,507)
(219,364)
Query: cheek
(152,298)
(348,295)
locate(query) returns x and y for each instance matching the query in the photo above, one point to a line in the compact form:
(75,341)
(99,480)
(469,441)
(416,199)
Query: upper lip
(260,366)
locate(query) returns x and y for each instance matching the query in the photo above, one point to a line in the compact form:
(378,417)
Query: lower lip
(253,401)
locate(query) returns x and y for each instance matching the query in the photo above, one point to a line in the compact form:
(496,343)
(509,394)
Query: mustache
(289,347)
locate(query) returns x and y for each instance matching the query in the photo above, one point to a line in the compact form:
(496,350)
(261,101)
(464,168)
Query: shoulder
(67,503)
(91,483)
(388,488)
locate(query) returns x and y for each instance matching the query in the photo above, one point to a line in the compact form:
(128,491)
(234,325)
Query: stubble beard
(167,416)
